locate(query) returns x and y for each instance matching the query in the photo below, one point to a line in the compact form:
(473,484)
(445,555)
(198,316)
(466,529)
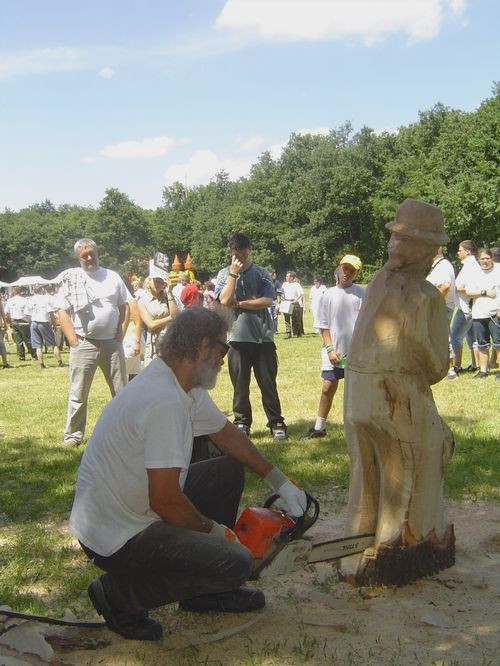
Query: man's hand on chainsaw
(292,501)
(223,532)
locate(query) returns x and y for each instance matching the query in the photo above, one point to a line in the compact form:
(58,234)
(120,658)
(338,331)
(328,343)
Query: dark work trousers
(242,357)
(293,322)
(163,563)
(21,336)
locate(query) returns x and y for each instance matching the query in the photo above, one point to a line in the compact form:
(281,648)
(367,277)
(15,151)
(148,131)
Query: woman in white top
(462,323)
(157,308)
(485,293)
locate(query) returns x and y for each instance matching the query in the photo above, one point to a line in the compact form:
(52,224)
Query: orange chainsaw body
(257,527)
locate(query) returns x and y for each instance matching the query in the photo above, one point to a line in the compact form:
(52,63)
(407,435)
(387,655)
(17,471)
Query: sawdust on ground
(452,618)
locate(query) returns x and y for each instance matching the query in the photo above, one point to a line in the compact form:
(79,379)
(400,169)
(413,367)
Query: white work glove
(293,500)
(223,532)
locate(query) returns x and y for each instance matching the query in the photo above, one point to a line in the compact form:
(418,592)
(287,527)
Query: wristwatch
(483,292)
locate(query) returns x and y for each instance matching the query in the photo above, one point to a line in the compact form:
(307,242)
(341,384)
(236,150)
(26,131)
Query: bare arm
(444,288)
(67,328)
(327,341)
(260,303)
(236,444)
(475,293)
(171,504)
(124,315)
(152,324)
(136,318)
(226,296)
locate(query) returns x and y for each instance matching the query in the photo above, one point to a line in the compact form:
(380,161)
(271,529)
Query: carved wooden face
(404,250)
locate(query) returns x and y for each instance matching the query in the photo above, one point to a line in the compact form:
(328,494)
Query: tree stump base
(402,560)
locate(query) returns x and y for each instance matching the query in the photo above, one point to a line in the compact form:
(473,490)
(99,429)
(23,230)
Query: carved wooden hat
(418,219)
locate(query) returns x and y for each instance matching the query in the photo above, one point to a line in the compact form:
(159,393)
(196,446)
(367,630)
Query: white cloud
(315,20)
(59,59)
(106,72)
(88,159)
(249,143)
(203,165)
(156,147)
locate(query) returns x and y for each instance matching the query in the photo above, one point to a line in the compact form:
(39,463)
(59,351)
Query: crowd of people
(157,524)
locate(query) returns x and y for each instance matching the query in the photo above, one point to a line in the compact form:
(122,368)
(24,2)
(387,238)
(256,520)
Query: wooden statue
(398,444)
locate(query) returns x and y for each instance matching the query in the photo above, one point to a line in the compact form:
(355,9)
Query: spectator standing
(461,326)
(3,330)
(183,280)
(190,295)
(315,294)
(442,276)
(338,310)
(157,308)
(41,308)
(485,292)
(92,308)
(16,310)
(247,289)
(292,294)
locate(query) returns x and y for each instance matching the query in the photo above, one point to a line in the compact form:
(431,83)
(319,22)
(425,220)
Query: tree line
(324,196)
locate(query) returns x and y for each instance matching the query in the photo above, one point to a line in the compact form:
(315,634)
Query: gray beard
(206,376)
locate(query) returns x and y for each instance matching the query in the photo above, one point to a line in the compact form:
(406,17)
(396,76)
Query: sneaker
(236,601)
(43,366)
(452,374)
(6,366)
(71,443)
(137,626)
(278,431)
(312,433)
(471,368)
(244,427)
(480,375)
(61,364)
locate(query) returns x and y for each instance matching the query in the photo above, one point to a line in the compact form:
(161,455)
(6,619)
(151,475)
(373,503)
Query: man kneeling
(159,527)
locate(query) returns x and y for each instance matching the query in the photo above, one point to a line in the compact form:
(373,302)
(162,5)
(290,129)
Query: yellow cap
(352,260)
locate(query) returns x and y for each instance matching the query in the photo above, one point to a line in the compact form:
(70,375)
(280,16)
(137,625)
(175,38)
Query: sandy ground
(452,618)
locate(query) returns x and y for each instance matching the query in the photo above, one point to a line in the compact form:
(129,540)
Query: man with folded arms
(159,526)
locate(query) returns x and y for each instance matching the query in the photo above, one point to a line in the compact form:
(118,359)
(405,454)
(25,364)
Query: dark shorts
(333,375)
(486,330)
(42,334)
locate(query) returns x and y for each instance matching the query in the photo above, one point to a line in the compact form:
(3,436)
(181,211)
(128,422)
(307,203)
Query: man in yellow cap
(338,310)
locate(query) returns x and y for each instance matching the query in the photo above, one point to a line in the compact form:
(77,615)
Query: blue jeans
(461,328)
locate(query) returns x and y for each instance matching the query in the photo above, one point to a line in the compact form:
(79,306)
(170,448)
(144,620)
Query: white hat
(156,272)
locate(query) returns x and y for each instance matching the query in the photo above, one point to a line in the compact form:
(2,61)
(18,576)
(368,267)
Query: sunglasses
(225,347)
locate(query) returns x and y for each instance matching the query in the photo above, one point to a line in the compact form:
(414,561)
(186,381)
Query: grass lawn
(43,570)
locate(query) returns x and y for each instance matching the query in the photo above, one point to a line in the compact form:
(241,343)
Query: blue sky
(136,94)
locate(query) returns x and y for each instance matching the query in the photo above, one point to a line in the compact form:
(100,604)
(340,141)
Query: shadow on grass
(36,479)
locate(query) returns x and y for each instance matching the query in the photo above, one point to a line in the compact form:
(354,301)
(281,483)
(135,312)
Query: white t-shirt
(484,306)
(176,293)
(17,307)
(150,424)
(292,291)
(467,275)
(442,272)
(338,310)
(314,299)
(40,306)
(106,291)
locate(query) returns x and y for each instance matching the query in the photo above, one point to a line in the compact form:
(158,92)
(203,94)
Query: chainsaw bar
(336,548)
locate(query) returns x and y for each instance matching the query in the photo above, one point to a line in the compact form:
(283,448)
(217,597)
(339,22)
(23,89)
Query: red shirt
(190,296)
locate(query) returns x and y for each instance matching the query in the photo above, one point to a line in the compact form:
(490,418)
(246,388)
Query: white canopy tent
(30,280)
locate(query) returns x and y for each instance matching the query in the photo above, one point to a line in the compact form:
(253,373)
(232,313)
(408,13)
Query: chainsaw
(278,544)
